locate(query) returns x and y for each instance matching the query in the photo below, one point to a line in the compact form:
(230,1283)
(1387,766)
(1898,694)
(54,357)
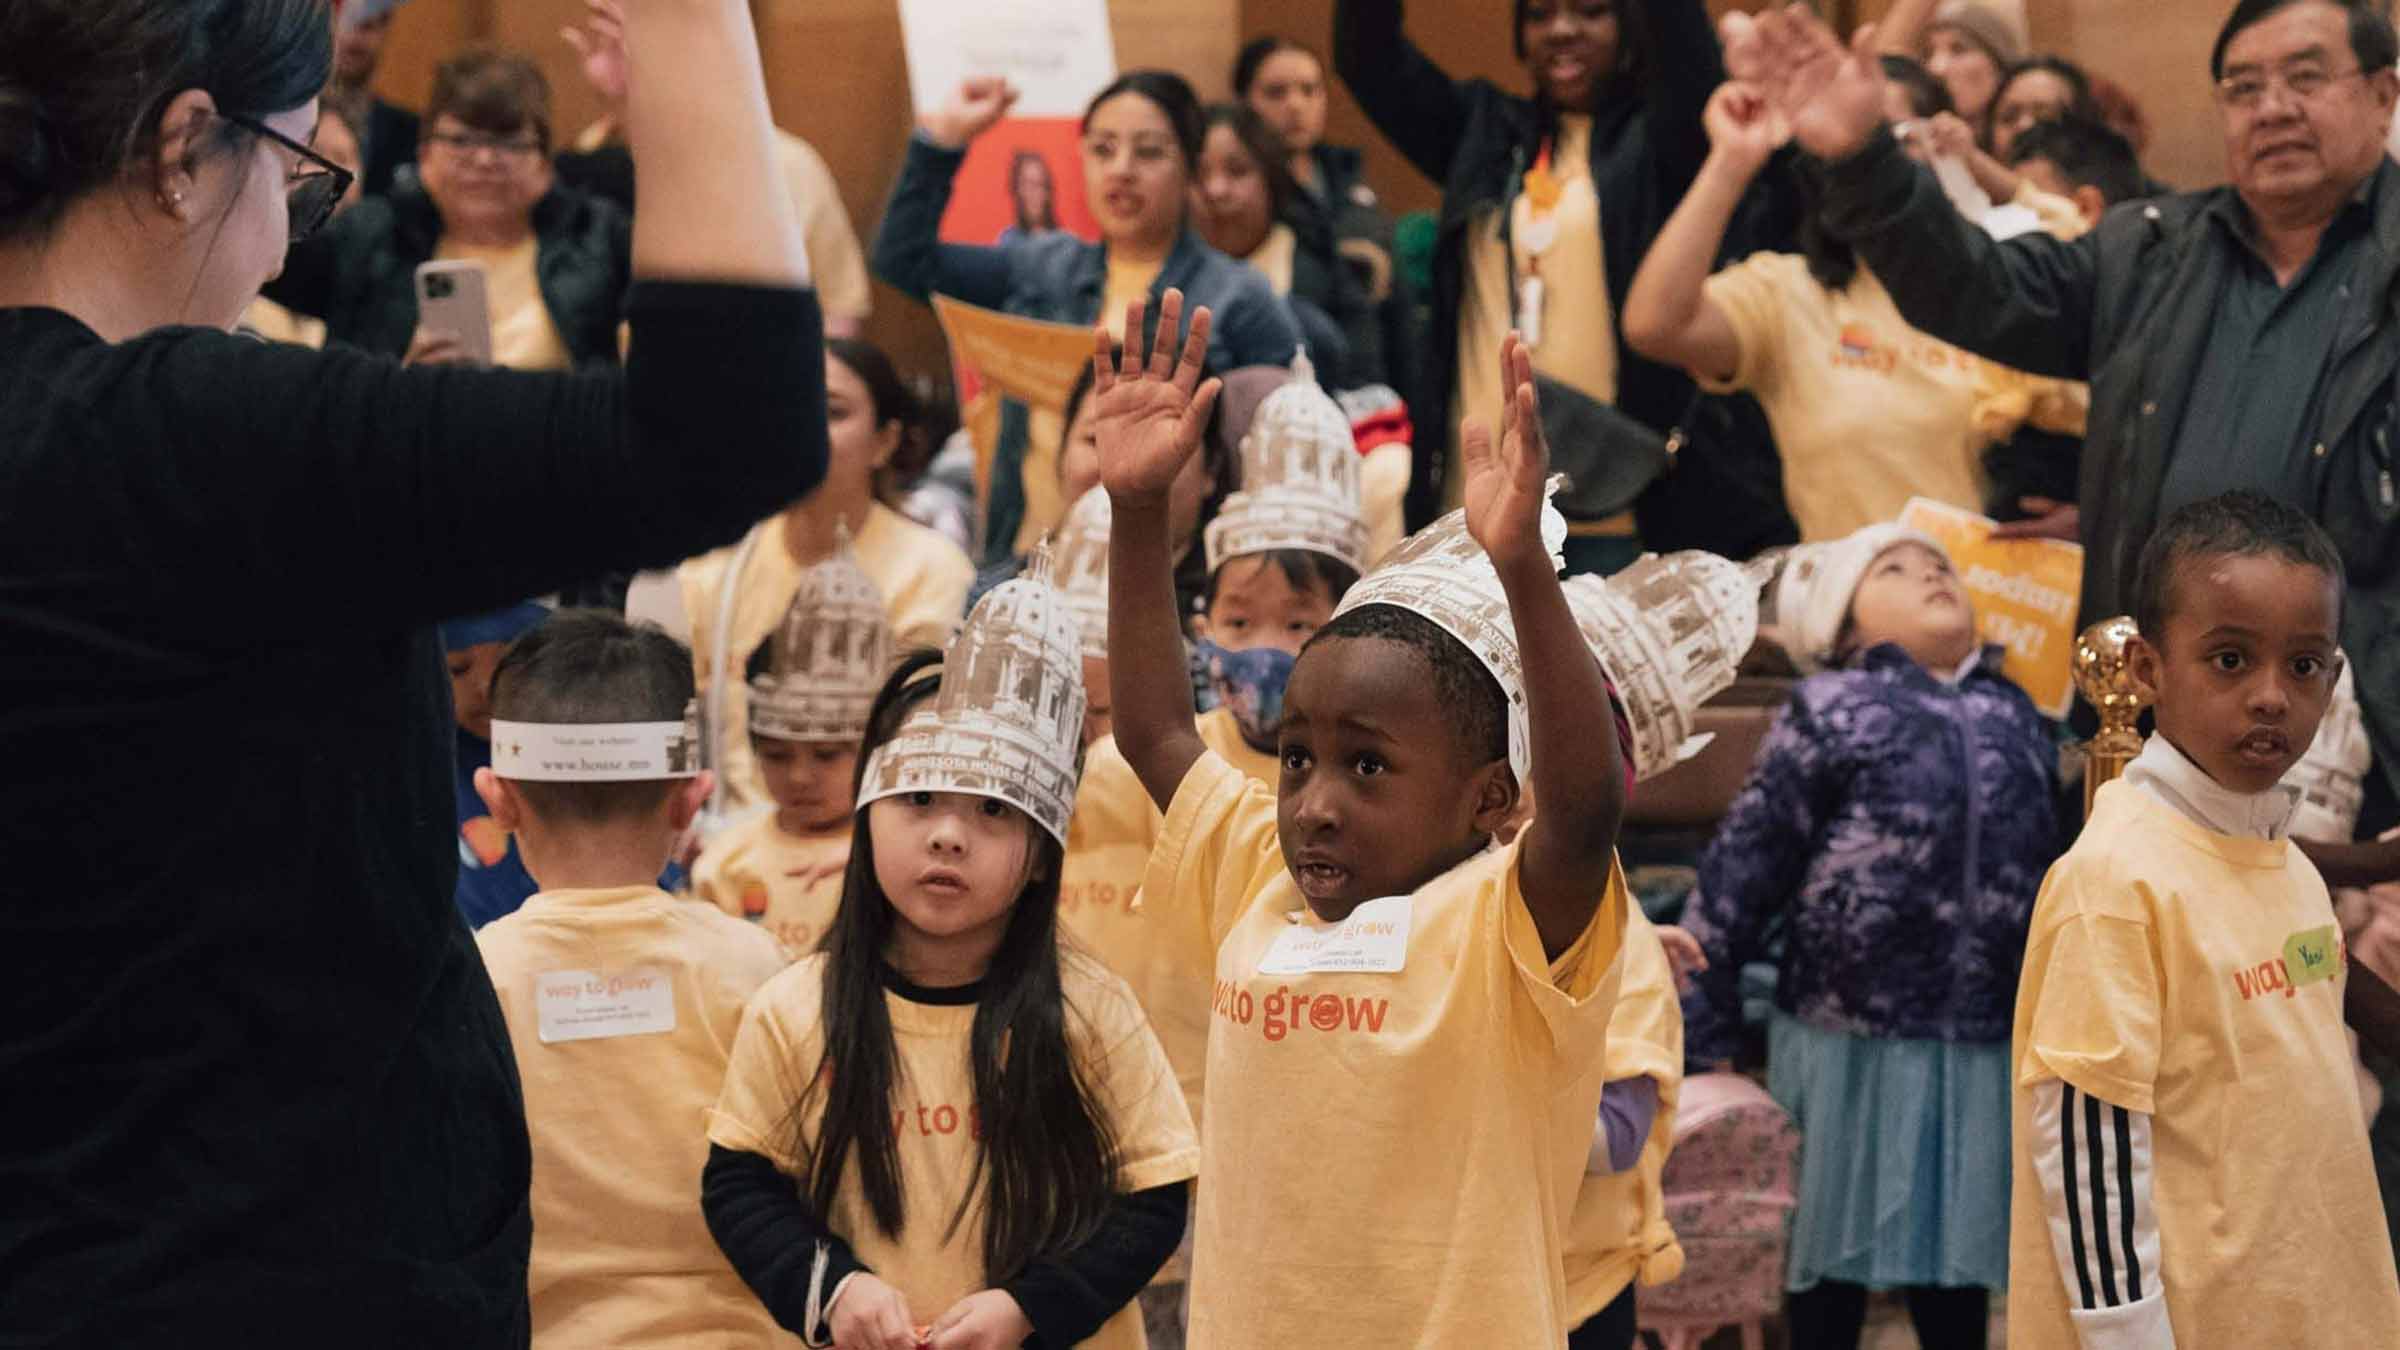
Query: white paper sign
(586,1005)
(1058,53)
(1374,939)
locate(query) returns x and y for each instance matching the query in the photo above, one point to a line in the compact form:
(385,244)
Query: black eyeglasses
(314,192)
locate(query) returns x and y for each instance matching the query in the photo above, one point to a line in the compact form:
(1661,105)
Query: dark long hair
(1047,1158)
(1172,95)
(84,82)
(1254,54)
(894,402)
(1273,156)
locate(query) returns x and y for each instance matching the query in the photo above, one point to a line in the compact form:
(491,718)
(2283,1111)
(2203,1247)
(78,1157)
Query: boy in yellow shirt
(812,683)
(622,1001)
(2190,1166)
(1281,552)
(1395,1000)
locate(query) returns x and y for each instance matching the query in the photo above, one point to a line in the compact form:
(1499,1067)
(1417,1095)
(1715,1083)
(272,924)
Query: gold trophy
(2106,681)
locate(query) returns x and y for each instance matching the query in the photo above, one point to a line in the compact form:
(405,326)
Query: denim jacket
(1897,827)
(1060,278)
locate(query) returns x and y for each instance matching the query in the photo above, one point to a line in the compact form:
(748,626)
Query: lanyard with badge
(1533,229)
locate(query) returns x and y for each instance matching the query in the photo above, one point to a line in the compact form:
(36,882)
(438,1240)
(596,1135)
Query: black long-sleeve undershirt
(772,1235)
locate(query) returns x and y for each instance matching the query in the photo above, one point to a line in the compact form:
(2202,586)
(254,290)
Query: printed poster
(1033,362)
(2025,593)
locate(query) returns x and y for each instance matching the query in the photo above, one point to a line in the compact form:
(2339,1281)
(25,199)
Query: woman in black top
(1641,70)
(258,1087)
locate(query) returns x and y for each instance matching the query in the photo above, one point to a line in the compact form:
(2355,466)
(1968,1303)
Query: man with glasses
(556,261)
(2241,337)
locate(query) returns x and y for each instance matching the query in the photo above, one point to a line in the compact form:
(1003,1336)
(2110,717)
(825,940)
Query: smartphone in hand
(453,297)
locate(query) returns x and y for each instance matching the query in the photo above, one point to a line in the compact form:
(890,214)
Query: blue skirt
(1904,1164)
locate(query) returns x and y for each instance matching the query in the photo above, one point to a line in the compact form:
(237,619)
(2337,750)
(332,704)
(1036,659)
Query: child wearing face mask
(2190,1164)
(947,1130)
(810,684)
(1895,826)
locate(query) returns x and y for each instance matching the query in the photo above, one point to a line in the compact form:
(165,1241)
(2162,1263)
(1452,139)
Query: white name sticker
(1374,939)
(586,1005)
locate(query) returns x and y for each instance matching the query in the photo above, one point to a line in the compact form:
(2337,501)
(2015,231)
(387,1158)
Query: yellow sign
(2025,593)
(1031,361)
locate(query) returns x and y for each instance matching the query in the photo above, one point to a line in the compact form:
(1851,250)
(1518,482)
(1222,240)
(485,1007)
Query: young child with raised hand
(811,684)
(2190,1163)
(622,1001)
(1895,827)
(1394,998)
(1282,552)
(943,1129)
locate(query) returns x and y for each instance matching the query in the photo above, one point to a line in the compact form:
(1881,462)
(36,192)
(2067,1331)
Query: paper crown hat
(598,752)
(1080,555)
(1299,480)
(1007,722)
(1443,576)
(2332,776)
(1670,632)
(828,658)
(1809,598)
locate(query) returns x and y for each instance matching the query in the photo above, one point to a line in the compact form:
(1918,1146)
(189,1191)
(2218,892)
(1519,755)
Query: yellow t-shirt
(2198,977)
(1383,478)
(1578,325)
(1619,1229)
(1273,257)
(621,1255)
(524,337)
(836,266)
(934,1100)
(922,576)
(1164,953)
(1391,1156)
(790,885)
(1867,411)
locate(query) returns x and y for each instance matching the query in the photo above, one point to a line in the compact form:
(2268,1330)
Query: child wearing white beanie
(1896,826)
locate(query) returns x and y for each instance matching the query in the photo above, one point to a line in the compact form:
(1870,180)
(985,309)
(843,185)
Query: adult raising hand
(1831,96)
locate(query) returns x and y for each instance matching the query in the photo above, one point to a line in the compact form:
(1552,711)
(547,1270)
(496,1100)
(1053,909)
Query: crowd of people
(1160,876)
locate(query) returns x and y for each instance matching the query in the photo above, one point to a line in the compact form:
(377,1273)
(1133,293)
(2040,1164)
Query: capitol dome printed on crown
(1670,632)
(828,658)
(1007,722)
(1300,481)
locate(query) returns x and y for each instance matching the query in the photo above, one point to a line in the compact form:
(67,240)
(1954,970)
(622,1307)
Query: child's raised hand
(1149,410)
(1504,484)
(871,1315)
(990,1320)
(1684,955)
(1743,126)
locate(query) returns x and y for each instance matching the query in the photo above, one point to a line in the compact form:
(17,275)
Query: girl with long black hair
(997,1153)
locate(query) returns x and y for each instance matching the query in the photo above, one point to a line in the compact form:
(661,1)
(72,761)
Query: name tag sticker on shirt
(2312,956)
(586,1005)
(1373,940)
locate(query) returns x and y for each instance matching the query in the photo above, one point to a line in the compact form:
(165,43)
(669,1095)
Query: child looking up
(1895,827)
(1393,996)
(811,684)
(622,1001)
(942,1130)
(2190,1163)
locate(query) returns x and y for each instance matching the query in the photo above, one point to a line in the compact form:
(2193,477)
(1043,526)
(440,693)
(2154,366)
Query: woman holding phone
(262,1086)
(486,258)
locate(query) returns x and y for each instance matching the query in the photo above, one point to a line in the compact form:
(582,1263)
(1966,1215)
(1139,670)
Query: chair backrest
(1730,1186)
